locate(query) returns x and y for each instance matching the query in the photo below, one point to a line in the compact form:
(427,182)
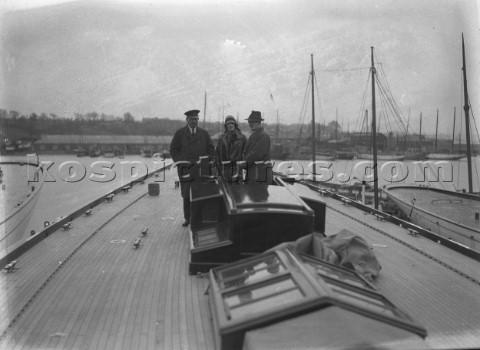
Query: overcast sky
(158,58)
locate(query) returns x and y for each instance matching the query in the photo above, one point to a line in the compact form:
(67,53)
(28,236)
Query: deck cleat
(67,225)
(137,243)
(11,266)
(412,232)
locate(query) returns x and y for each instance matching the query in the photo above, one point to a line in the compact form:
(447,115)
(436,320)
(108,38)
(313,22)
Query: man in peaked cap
(257,148)
(188,145)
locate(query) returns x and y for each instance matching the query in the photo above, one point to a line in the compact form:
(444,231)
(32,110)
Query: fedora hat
(255,116)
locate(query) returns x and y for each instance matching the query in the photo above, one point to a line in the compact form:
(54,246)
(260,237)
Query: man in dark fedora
(257,150)
(188,145)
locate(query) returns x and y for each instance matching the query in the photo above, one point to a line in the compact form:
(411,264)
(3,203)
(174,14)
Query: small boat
(278,150)
(80,152)
(163,154)
(383,156)
(120,153)
(146,152)
(346,154)
(108,153)
(453,215)
(10,147)
(24,146)
(445,156)
(324,156)
(95,151)
(415,154)
(19,202)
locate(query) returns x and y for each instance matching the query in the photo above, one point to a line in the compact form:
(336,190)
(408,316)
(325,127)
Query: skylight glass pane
(262,299)
(363,301)
(337,273)
(252,272)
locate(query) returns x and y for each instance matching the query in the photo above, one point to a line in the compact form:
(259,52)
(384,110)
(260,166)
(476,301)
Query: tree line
(17,126)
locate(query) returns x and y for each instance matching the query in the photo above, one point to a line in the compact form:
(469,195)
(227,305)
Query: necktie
(193,132)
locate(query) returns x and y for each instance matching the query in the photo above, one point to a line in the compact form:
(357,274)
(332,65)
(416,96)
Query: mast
(276,130)
(336,128)
(406,132)
(466,107)
(453,132)
(204,109)
(366,123)
(313,121)
(436,133)
(319,133)
(374,136)
(420,134)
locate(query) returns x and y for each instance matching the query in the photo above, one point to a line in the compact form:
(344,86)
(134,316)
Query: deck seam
(408,245)
(49,278)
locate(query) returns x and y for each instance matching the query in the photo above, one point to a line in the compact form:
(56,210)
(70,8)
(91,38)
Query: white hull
(464,230)
(324,157)
(14,228)
(445,156)
(398,157)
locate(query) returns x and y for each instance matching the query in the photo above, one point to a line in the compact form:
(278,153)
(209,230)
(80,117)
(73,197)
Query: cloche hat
(230,119)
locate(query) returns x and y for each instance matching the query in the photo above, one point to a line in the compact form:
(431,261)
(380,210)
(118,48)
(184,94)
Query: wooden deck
(89,288)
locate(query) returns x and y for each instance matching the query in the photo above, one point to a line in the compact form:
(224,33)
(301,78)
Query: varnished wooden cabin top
(89,288)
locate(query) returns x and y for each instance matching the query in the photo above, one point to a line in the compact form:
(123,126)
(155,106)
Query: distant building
(130,144)
(365,139)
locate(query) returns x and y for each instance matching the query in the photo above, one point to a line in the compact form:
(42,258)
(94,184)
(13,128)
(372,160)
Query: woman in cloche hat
(230,146)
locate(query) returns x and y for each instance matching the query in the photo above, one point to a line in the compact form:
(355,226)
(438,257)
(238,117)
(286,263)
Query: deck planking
(417,276)
(112,296)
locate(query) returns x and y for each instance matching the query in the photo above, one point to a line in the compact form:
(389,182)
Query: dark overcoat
(230,147)
(258,147)
(189,148)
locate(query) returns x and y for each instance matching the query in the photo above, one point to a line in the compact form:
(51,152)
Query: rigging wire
(385,87)
(340,70)
(302,117)
(362,102)
(478,137)
(319,99)
(460,135)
